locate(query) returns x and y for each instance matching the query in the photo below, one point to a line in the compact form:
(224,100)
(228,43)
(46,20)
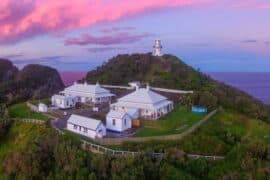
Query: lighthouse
(157,48)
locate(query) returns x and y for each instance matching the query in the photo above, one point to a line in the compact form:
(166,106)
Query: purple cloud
(103,49)
(119,38)
(116,29)
(267,43)
(12,56)
(249,41)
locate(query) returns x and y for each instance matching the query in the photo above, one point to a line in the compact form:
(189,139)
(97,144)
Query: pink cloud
(29,18)
(119,38)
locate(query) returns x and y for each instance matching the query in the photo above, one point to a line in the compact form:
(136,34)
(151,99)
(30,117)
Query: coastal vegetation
(40,152)
(33,81)
(22,111)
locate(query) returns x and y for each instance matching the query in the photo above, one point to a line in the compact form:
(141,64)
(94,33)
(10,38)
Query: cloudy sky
(78,35)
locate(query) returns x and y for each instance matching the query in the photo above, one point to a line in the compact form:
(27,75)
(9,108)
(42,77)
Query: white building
(88,93)
(85,126)
(135,84)
(150,105)
(118,121)
(63,102)
(42,108)
(157,48)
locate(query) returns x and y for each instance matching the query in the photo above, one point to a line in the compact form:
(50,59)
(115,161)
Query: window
(125,121)
(85,130)
(75,126)
(113,122)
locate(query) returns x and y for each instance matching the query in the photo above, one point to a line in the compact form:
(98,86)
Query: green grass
(224,131)
(174,123)
(22,111)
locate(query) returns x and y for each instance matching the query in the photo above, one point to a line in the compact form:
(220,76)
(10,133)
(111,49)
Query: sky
(78,35)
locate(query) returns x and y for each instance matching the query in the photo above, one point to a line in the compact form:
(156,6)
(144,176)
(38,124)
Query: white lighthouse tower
(157,48)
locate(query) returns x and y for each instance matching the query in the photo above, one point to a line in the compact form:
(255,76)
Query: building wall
(90,133)
(148,113)
(64,103)
(90,99)
(120,125)
(100,132)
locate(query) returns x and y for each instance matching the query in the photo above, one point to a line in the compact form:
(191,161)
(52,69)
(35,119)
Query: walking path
(117,141)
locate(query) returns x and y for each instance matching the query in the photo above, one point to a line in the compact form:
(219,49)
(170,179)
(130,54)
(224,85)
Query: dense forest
(32,81)
(171,72)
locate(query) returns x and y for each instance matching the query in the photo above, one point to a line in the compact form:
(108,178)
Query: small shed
(118,121)
(199,109)
(85,126)
(42,108)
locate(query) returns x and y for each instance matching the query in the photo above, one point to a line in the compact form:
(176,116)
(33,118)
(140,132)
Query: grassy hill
(171,72)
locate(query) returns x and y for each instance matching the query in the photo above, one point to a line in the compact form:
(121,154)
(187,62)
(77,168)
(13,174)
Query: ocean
(256,84)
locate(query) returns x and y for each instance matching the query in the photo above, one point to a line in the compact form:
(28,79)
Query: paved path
(117,141)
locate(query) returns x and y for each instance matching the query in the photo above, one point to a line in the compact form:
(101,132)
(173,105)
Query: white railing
(102,149)
(37,121)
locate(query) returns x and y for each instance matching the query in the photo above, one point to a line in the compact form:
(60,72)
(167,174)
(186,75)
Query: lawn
(22,111)
(224,131)
(174,123)
(217,136)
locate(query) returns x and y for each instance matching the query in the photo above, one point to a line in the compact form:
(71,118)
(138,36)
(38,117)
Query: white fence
(36,121)
(101,149)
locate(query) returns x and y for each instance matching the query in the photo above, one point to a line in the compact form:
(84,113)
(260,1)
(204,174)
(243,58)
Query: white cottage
(118,121)
(64,102)
(42,108)
(149,104)
(88,93)
(85,126)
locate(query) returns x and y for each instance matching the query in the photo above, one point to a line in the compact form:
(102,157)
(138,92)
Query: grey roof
(116,114)
(87,88)
(143,95)
(89,123)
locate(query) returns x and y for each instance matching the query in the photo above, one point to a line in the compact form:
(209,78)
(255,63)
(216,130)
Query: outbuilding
(42,108)
(118,121)
(85,126)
